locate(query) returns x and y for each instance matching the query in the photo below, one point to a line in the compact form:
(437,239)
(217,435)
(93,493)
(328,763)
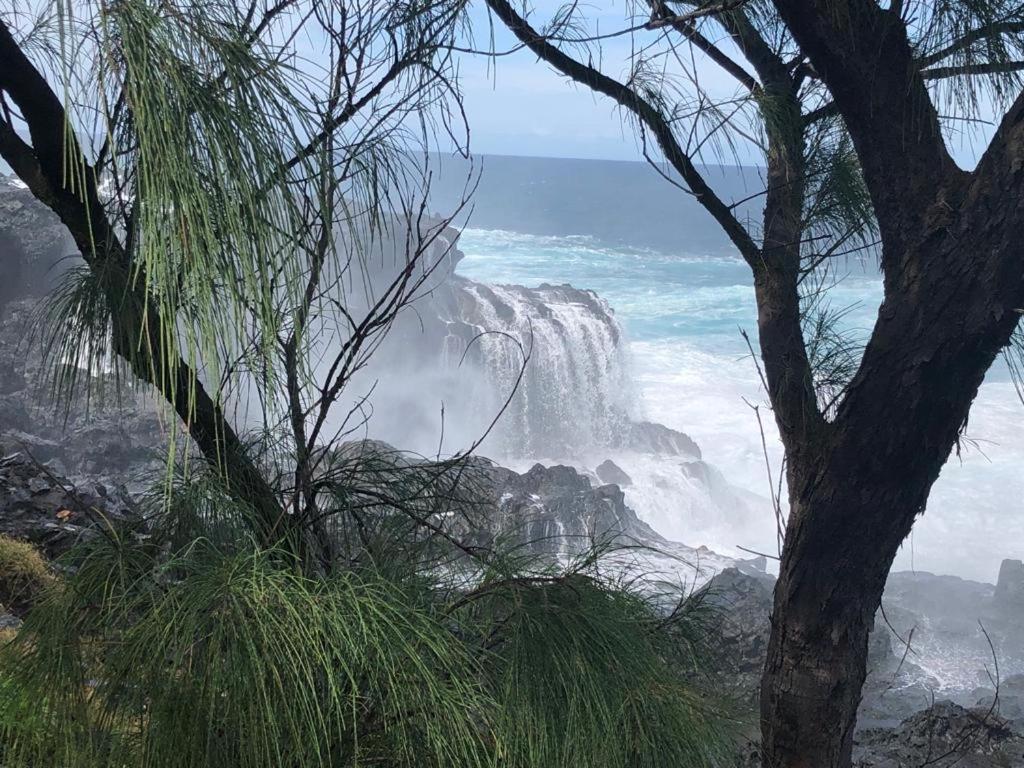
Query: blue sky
(517,105)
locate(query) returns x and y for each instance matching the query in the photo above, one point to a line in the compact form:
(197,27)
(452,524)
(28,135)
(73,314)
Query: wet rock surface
(39,506)
(556,510)
(115,435)
(943,735)
(34,246)
(610,472)
(745,600)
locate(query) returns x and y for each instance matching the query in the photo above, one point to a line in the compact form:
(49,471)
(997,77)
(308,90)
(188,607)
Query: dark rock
(741,635)
(33,244)
(943,735)
(555,510)
(8,621)
(649,437)
(547,511)
(1009,596)
(39,506)
(610,472)
(1010,701)
(115,435)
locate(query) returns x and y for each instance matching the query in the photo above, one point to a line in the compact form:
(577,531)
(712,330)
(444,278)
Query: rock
(649,437)
(8,623)
(1010,703)
(548,511)
(610,472)
(741,635)
(555,511)
(116,436)
(943,735)
(39,506)
(1009,596)
(33,243)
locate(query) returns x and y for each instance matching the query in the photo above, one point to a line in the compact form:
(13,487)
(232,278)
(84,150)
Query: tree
(843,99)
(208,174)
(247,184)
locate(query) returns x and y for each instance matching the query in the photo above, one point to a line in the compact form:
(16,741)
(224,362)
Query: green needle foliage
(588,674)
(293,603)
(229,656)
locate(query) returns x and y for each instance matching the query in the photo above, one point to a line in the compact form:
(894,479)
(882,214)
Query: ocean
(682,297)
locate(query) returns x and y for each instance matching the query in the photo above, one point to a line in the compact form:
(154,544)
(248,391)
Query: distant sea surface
(683,296)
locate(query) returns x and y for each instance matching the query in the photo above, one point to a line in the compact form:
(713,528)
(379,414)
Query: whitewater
(687,365)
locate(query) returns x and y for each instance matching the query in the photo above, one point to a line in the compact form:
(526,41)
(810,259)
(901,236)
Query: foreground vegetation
(221,652)
(247,186)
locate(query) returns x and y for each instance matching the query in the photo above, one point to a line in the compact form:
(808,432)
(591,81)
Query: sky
(517,105)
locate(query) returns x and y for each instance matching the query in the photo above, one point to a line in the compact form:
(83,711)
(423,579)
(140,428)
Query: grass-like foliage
(226,654)
(221,659)
(587,673)
(24,574)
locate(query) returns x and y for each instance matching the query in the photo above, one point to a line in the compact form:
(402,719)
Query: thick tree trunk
(858,484)
(830,585)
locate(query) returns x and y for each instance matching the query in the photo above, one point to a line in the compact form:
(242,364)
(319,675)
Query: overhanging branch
(646,113)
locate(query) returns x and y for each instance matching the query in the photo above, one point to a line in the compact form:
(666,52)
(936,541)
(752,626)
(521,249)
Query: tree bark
(825,602)
(137,333)
(857,488)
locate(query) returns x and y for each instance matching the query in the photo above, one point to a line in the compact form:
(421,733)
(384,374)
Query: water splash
(575,391)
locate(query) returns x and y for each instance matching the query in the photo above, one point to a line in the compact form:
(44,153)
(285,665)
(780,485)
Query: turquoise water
(656,296)
(682,314)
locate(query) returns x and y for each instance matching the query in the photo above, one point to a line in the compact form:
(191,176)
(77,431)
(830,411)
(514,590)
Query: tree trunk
(829,588)
(857,485)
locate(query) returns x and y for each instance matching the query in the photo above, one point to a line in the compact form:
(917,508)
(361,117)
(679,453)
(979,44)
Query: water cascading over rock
(561,346)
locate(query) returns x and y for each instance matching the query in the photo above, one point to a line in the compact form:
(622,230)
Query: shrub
(233,658)
(24,574)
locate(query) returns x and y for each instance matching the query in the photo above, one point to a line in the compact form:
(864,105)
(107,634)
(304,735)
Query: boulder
(943,735)
(744,600)
(611,473)
(41,507)
(1009,596)
(650,437)
(555,511)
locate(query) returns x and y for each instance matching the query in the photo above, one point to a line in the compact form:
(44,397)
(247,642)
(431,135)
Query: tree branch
(967,70)
(1008,27)
(684,25)
(650,117)
(864,57)
(137,335)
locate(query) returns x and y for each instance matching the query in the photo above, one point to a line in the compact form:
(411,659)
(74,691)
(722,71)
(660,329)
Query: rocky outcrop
(744,601)
(39,506)
(114,436)
(1009,596)
(1008,702)
(610,472)
(549,358)
(34,245)
(555,510)
(650,437)
(943,735)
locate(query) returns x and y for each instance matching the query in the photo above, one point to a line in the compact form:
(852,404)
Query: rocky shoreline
(933,696)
